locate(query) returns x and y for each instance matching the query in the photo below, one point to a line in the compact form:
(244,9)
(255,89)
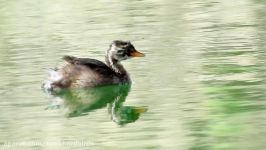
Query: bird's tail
(54,76)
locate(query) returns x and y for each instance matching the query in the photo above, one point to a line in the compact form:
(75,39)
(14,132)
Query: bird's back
(81,72)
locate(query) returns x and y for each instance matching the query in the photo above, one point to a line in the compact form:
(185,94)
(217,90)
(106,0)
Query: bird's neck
(115,65)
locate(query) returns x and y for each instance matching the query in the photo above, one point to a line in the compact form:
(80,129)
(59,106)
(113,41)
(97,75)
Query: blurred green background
(202,80)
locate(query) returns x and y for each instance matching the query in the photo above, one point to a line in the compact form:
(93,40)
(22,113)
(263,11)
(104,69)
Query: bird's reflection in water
(81,101)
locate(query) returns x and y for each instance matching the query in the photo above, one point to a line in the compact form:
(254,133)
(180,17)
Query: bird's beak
(136,53)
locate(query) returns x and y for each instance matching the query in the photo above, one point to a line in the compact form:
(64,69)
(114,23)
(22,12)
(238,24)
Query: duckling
(87,72)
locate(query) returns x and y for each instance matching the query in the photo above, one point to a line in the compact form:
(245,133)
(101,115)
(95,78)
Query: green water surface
(201,85)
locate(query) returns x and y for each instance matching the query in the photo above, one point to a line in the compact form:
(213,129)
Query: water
(201,85)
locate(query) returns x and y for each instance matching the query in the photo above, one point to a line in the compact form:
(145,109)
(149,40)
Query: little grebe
(87,72)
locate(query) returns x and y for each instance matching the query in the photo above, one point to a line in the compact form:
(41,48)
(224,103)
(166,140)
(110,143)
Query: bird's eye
(120,51)
(124,44)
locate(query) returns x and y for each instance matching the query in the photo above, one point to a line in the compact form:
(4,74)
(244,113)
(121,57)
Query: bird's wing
(93,64)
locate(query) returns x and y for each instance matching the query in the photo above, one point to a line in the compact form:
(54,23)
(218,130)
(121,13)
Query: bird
(88,72)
